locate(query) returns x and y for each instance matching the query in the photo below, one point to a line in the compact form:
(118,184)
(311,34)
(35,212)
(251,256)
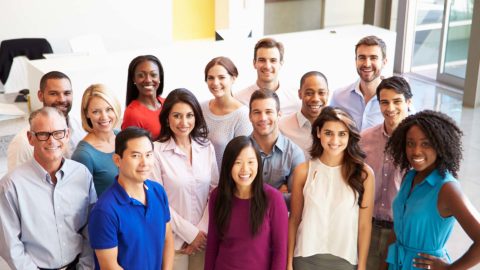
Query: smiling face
(264,117)
(369,62)
(333,137)
(136,161)
(393,106)
(101,115)
(51,151)
(147,78)
(419,150)
(245,168)
(268,65)
(219,81)
(181,120)
(58,94)
(314,96)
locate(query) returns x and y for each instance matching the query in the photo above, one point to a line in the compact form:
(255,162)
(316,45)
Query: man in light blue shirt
(280,156)
(45,202)
(358,99)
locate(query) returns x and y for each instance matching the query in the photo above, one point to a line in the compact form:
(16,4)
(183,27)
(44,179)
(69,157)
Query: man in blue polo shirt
(129,226)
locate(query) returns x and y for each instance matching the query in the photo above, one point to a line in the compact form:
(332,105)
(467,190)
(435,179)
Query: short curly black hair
(442,132)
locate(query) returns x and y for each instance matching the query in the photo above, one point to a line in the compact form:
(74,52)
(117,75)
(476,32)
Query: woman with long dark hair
(248,219)
(428,145)
(144,89)
(185,165)
(332,199)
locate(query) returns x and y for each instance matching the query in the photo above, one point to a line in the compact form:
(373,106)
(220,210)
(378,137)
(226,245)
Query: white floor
(428,96)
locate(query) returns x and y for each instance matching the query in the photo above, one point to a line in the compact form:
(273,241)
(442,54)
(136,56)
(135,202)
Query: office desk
(330,51)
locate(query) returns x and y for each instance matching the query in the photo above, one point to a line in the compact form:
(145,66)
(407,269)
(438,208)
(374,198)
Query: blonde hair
(101,91)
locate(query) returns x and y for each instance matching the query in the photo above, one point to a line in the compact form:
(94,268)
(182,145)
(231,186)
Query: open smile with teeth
(418,160)
(244,177)
(315,107)
(149,87)
(104,123)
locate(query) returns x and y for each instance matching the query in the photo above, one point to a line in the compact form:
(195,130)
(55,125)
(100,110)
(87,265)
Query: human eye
(426,144)
(154,75)
(210,78)
(190,115)
(139,75)
(52,93)
(361,57)
(109,109)
(410,144)
(343,133)
(42,135)
(383,102)
(274,60)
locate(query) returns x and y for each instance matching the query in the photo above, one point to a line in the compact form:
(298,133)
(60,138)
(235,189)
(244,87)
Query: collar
(432,179)
(302,120)
(357,90)
(280,143)
(171,145)
(121,195)
(45,176)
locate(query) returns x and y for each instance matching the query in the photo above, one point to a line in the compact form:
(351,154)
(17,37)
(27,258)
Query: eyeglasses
(44,136)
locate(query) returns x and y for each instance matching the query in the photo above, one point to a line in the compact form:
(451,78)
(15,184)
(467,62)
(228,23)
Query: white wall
(122,24)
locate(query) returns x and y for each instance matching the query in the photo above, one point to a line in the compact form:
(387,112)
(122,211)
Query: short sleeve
(102,230)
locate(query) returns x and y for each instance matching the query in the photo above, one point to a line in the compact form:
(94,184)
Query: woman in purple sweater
(248,223)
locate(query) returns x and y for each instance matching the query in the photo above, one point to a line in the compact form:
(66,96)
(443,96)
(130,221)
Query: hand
(187,249)
(199,242)
(283,188)
(427,261)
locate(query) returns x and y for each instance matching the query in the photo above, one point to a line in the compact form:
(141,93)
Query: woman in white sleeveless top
(332,199)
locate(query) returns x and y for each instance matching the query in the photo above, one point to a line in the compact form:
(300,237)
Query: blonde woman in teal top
(100,114)
(430,198)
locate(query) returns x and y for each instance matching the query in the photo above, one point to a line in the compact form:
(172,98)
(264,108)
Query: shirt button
(385,174)
(384,189)
(383,204)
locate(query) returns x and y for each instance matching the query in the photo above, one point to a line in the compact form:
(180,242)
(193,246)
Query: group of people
(262,178)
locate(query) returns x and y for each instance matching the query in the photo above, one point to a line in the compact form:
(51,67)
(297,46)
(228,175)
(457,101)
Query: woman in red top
(144,88)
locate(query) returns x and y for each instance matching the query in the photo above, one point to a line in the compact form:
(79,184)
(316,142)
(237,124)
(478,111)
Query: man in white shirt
(358,98)
(45,202)
(313,93)
(55,91)
(268,61)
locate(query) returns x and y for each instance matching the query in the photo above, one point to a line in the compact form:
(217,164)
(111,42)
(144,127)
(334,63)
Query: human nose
(367,62)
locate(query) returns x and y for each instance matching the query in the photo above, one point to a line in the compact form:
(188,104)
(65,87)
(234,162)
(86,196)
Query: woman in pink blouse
(186,166)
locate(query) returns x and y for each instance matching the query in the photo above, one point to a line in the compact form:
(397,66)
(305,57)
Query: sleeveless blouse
(418,225)
(330,215)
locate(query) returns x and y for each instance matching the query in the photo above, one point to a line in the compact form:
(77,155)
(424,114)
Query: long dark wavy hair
(442,132)
(227,188)
(182,95)
(132,91)
(353,169)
